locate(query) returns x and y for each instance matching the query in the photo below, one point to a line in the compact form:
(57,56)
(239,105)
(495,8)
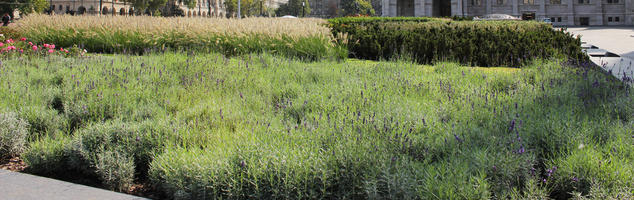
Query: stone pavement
(19,186)
(619,40)
(611,48)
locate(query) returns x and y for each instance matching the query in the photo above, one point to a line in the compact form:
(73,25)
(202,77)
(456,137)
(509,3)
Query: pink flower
(30,43)
(23,39)
(11,47)
(9,41)
(52,46)
(51,50)
(46,45)
(1,44)
(66,51)
(34,48)
(21,51)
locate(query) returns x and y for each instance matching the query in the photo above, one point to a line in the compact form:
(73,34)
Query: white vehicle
(495,17)
(289,16)
(546,20)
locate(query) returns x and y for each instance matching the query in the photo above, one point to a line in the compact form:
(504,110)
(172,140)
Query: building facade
(203,8)
(561,12)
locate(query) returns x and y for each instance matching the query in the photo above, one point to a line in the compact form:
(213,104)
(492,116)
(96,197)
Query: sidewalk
(19,186)
(610,48)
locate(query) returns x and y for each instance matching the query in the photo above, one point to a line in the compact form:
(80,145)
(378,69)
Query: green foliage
(266,127)
(43,121)
(469,42)
(96,39)
(24,6)
(247,8)
(294,8)
(356,7)
(13,134)
(152,5)
(48,156)
(115,169)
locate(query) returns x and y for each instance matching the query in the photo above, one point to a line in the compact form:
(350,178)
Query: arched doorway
(442,8)
(104,10)
(405,8)
(131,11)
(189,13)
(122,11)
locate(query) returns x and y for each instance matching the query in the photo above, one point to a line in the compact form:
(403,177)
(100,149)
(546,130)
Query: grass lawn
(261,126)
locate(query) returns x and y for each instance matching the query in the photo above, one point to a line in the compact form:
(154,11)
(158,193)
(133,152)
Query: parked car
(496,17)
(546,20)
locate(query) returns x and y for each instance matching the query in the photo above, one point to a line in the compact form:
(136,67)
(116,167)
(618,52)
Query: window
(67,8)
(61,7)
(609,19)
(558,19)
(501,2)
(617,19)
(613,1)
(552,19)
(555,1)
(529,2)
(584,1)
(476,2)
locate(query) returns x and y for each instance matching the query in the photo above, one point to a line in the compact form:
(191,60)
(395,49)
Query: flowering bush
(23,47)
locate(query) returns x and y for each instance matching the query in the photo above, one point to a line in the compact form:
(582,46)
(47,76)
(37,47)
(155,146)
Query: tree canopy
(247,7)
(293,7)
(356,7)
(24,6)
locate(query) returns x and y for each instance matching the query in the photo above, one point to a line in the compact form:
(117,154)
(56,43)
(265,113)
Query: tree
(151,5)
(294,7)
(24,6)
(247,7)
(356,7)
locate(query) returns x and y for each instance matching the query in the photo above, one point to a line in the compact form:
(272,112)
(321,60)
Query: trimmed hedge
(480,43)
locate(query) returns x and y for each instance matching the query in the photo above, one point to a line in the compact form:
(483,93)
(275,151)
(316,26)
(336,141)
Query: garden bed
(262,126)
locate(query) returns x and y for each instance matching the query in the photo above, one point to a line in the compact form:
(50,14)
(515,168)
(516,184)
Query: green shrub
(48,156)
(469,42)
(304,39)
(13,134)
(115,169)
(43,121)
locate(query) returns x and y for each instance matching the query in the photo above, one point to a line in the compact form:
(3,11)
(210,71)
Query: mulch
(13,164)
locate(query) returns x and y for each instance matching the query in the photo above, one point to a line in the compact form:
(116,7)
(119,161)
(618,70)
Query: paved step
(20,186)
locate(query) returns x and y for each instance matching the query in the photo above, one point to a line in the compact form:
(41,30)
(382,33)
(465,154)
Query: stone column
(461,8)
(488,6)
(571,13)
(385,8)
(393,11)
(599,9)
(542,9)
(428,8)
(419,8)
(464,8)
(455,7)
(629,13)
(516,10)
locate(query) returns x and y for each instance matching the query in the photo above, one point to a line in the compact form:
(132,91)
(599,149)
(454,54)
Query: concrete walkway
(619,40)
(19,186)
(611,48)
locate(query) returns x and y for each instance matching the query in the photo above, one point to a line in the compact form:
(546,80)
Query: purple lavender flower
(457,138)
